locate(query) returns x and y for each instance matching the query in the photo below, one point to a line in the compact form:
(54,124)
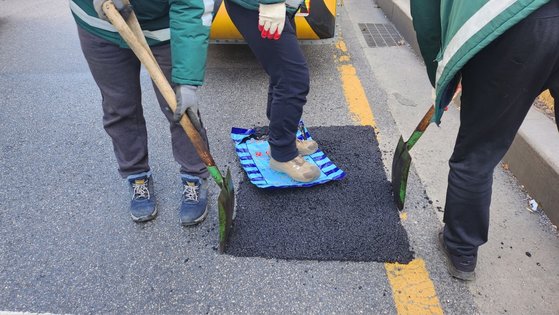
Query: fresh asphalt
(340,220)
(67,243)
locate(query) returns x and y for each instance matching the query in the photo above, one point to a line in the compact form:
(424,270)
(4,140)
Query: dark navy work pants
(287,68)
(499,86)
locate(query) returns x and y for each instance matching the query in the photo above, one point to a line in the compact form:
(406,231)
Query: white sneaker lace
(141,190)
(190,192)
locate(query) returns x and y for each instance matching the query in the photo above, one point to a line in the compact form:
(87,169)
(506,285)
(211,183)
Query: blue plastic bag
(253,151)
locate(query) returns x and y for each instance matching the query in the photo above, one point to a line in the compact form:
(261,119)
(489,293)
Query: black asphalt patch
(354,219)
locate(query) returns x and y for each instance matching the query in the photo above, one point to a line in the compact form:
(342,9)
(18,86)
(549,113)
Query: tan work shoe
(298,169)
(306,147)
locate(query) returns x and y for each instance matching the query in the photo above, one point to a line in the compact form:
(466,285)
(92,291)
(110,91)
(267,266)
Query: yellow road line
(353,89)
(547,99)
(412,288)
(403,215)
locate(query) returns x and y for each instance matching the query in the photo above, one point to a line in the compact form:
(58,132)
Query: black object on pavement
(351,220)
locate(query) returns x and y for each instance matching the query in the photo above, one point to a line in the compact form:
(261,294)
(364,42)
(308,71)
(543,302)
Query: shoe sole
(146,218)
(462,275)
(197,221)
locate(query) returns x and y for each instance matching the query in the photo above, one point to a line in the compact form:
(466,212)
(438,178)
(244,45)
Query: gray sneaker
(459,266)
(298,169)
(306,147)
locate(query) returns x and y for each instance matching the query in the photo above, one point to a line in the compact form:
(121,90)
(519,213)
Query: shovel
(131,32)
(402,159)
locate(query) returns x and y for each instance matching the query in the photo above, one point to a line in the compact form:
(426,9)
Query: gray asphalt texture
(353,219)
(67,243)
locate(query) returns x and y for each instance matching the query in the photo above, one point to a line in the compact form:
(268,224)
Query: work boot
(459,266)
(194,200)
(142,206)
(298,169)
(306,147)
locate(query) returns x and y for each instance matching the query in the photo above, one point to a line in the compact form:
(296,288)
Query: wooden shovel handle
(134,25)
(157,76)
(426,120)
(418,132)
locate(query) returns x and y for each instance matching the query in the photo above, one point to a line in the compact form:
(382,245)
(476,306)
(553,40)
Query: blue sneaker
(142,205)
(194,200)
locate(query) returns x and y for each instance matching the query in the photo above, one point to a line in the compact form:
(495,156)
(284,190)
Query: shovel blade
(226,210)
(400,168)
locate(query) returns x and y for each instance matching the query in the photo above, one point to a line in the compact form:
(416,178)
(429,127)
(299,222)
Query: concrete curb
(534,155)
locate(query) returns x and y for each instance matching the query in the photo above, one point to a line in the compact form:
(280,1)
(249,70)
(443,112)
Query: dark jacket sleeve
(426,21)
(189,22)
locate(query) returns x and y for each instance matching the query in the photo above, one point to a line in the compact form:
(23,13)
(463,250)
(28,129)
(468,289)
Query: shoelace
(141,190)
(190,192)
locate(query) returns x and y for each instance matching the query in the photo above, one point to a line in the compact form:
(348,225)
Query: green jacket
(185,23)
(451,32)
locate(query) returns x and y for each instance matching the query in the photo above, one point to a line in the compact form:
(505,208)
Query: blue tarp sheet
(254,156)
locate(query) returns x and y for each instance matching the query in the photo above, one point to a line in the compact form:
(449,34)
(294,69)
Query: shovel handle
(134,25)
(145,56)
(426,120)
(421,127)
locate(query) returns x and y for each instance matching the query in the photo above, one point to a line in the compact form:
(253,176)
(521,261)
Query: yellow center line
(412,288)
(547,99)
(403,215)
(353,89)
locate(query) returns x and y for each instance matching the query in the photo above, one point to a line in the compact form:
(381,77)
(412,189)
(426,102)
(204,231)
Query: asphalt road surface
(68,245)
